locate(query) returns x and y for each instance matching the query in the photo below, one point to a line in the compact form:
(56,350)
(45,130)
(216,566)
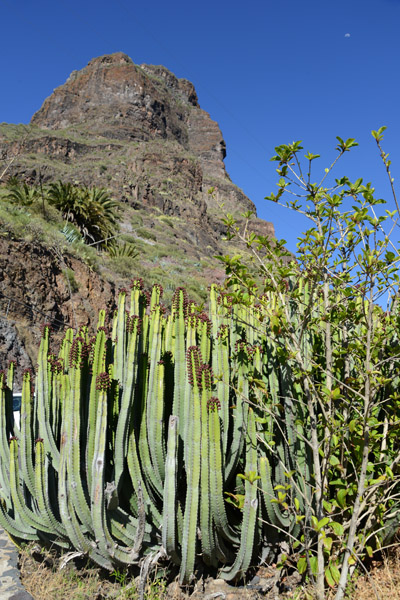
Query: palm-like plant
(65,197)
(101,214)
(21,193)
(91,210)
(125,250)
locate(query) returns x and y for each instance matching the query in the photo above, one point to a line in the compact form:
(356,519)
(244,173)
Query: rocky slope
(139,132)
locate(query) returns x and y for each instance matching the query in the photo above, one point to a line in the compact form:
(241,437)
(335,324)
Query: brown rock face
(157,120)
(114,98)
(139,132)
(35,287)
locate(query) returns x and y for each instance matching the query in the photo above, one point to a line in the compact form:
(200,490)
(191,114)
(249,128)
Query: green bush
(336,354)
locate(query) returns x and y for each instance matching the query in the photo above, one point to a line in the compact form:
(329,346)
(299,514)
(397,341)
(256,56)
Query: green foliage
(146,234)
(126,249)
(21,193)
(332,374)
(91,209)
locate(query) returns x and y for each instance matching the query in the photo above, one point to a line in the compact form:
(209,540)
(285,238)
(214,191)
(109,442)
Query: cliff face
(139,132)
(34,289)
(116,99)
(155,130)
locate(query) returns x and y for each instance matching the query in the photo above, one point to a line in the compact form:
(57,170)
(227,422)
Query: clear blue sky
(269,72)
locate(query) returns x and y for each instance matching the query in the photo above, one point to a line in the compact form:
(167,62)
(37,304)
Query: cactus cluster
(159,432)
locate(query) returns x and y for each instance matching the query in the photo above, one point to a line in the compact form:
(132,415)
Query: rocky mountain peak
(138,132)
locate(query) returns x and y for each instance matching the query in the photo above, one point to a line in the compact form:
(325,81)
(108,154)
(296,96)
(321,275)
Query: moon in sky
(347,35)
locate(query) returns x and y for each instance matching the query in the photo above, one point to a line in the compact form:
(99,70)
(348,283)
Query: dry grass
(383,580)
(43,579)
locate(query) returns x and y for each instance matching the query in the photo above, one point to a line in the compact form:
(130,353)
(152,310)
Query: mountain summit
(138,132)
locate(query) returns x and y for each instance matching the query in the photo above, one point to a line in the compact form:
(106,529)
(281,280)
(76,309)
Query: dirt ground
(42,578)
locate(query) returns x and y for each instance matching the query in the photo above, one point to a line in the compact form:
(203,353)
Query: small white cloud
(346,35)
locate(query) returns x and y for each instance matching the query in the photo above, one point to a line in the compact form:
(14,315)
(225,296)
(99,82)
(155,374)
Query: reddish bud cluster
(12,361)
(180,296)
(44,327)
(137,284)
(146,297)
(213,403)
(203,318)
(90,348)
(38,440)
(27,374)
(191,308)
(132,322)
(191,321)
(241,346)
(159,287)
(223,331)
(123,291)
(193,357)
(224,300)
(12,438)
(206,375)
(56,366)
(78,352)
(103,382)
(248,349)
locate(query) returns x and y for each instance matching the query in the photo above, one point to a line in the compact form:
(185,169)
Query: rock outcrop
(150,120)
(139,132)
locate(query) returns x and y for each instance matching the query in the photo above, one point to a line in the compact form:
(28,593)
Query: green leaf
(322,523)
(341,496)
(314,522)
(334,461)
(236,499)
(251,476)
(337,528)
(352,425)
(378,134)
(314,565)
(302,565)
(328,541)
(332,575)
(329,578)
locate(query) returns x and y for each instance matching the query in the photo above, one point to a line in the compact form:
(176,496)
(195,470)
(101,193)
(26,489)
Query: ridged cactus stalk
(158,430)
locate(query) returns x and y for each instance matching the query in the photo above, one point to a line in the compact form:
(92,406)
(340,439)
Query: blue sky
(269,72)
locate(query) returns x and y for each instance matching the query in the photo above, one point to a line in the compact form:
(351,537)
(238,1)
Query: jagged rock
(35,289)
(139,132)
